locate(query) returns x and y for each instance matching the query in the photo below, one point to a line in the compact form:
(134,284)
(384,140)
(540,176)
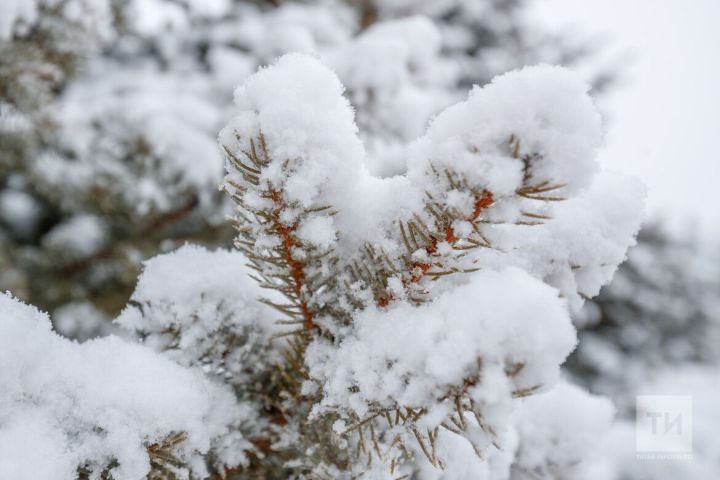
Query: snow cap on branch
(308,128)
(65,405)
(296,134)
(211,297)
(466,333)
(579,250)
(536,125)
(473,212)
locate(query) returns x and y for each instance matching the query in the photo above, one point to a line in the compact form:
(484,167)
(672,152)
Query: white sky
(665,116)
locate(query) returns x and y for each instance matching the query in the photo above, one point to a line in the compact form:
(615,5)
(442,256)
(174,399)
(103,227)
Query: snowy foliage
(207,316)
(450,336)
(104,404)
(362,273)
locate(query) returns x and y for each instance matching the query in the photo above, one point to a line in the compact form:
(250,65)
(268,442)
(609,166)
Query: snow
(152,17)
(558,429)
(19,15)
(395,76)
(535,128)
(81,321)
(579,250)
(640,141)
(659,311)
(162,123)
(314,155)
(187,301)
(546,108)
(80,236)
(476,330)
(324,154)
(20,211)
(298,106)
(64,405)
(318,231)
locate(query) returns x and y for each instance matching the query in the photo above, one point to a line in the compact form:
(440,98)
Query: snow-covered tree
(410,326)
(109,111)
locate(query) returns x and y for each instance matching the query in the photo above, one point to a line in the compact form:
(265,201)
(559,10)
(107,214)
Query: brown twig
(297,272)
(418,270)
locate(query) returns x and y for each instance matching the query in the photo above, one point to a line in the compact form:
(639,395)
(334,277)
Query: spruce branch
(289,266)
(346,292)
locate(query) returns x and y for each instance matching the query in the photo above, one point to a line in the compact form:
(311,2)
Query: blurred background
(664,114)
(109,111)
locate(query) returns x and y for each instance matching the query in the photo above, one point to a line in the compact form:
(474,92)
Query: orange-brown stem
(481,204)
(297,272)
(419,269)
